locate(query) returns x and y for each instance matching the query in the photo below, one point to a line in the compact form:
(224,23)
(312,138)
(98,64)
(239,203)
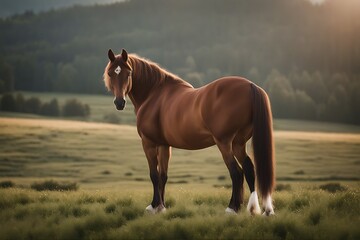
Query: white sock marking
(150,209)
(158,209)
(230,211)
(253,205)
(267,203)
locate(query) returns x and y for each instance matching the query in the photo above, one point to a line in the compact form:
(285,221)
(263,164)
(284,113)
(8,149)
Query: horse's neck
(143,85)
(140,92)
(137,97)
(141,89)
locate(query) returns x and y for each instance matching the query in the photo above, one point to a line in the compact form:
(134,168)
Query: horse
(170,112)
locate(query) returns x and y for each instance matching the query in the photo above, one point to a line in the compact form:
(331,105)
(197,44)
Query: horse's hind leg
(236,175)
(163,154)
(248,167)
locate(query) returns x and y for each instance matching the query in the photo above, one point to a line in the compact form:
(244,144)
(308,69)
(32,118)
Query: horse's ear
(111,55)
(124,55)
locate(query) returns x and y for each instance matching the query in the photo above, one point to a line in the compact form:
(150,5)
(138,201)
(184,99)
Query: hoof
(269,213)
(158,209)
(150,209)
(230,211)
(253,206)
(269,209)
(162,210)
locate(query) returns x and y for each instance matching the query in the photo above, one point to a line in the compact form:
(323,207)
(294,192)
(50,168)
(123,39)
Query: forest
(12,7)
(306,56)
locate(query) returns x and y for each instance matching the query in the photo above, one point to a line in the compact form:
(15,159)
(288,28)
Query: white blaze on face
(118,70)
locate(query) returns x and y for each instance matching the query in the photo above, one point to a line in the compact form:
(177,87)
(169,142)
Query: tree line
(17,103)
(13,7)
(306,56)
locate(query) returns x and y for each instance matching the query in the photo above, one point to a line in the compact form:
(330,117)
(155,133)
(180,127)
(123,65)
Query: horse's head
(118,78)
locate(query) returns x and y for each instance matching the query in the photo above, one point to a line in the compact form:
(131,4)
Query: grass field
(304,212)
(108,164)
(93,153)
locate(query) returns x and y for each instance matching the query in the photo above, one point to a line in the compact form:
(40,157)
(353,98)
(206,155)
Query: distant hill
(306,56)
(11,7)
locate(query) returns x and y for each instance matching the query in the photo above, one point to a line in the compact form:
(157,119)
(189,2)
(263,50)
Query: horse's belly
(186,133)
(191,140)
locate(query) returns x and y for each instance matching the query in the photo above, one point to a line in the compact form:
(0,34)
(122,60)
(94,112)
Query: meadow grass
(111,155)
(317,195)
(305,212)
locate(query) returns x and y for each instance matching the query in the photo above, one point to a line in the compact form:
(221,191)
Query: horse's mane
(150,73)
(106,77)
(146,73)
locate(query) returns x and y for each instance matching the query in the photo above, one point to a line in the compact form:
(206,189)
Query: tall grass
(51,185)
(301,213)
(34,150)
(93,154)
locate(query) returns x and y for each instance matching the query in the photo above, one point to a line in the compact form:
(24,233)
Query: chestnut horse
(172,113)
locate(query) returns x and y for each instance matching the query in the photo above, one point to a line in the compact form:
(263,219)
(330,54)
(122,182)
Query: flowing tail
(262,141)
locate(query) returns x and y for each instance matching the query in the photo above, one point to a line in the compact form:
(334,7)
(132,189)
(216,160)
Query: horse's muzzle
(119,103)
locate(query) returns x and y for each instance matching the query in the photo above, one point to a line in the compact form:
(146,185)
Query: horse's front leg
(150,150)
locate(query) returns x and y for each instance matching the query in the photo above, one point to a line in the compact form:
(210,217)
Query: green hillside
(307,61)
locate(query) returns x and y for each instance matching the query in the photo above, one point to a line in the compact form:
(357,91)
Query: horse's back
(221,108)
(191,118)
